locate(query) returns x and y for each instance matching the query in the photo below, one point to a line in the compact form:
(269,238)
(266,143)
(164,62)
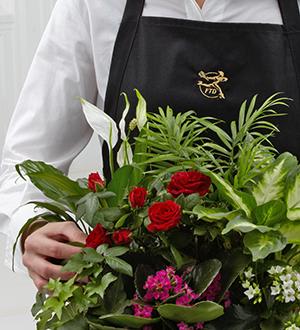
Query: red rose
(97,237)
(122,237)
(137,197)
(164,216)
(188,183)
(94,180)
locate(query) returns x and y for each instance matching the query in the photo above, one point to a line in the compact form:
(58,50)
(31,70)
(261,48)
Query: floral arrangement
(198,228)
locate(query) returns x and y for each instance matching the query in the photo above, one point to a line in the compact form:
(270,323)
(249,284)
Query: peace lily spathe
(107,128)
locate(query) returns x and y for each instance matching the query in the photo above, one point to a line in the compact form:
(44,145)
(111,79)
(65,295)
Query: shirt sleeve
(48,123)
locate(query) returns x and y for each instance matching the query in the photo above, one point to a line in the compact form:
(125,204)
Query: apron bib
(210,68)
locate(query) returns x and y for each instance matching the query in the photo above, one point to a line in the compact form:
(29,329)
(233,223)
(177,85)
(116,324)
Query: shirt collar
(212,10)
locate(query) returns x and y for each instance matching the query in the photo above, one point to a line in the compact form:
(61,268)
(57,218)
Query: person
(190,54)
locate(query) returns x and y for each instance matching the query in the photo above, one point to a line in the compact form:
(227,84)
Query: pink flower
(213,290)
(142,311)
(164,284)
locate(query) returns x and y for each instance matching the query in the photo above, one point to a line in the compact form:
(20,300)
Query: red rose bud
(122,237)
(188,183)
(164,216)
(94,180)
(98,236)
(137,197)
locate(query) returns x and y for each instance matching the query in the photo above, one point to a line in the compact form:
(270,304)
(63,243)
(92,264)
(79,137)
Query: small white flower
(275,270)
(246,284)
(292,327)
(287,285)
(249,273)
(275,290)
(250,293)
(285,278)
(289,295)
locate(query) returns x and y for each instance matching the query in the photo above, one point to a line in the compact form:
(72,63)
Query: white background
(21,25)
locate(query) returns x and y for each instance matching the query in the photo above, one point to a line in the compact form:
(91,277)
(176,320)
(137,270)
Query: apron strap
(122,49)
(290,14)
(291,24)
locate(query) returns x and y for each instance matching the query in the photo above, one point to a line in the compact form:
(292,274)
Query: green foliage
(52,182)
(201,312)
(263,244)
(203,274)
(131,321)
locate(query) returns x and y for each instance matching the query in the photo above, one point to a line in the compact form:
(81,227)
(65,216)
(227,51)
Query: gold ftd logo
(209,84)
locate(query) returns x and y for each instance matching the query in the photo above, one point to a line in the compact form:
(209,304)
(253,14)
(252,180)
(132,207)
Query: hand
(48,243)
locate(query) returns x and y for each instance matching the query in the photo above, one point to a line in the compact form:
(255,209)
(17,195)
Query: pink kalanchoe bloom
(227,300)
(142,311)
(199,326)
(184,326)
(166,283)
(213,290)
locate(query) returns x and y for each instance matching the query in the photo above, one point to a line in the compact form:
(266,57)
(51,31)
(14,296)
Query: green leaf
(293,198)
(177,257)
(243,225)
(52,182)
(201,312)
(91,207)
(272,184)
(55,208)
(203,274)
(229,193)
(107,217)
(119,265)
(291,231)
(210,214)
(270,213)
(115,299)
(116,251)
(119,184)
(233,265)
(75,264)
(100,289)
(263,244)
(92,256)
(79,323)
(131,321)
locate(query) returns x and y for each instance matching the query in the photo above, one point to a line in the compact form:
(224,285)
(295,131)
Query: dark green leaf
(119,265)
(201,312)
(124,320)
(203,274)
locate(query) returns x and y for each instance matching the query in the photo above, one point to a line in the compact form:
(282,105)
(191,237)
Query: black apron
(207,67)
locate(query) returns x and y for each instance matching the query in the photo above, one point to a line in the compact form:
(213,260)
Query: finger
(50,248)
(44,268)
(67,229)
(38,281)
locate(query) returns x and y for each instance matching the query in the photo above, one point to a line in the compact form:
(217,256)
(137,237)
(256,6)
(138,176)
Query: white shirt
(72,60)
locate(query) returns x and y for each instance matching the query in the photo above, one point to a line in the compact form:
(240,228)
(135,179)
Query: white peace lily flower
(124,155)
(141,111)
(101,123)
